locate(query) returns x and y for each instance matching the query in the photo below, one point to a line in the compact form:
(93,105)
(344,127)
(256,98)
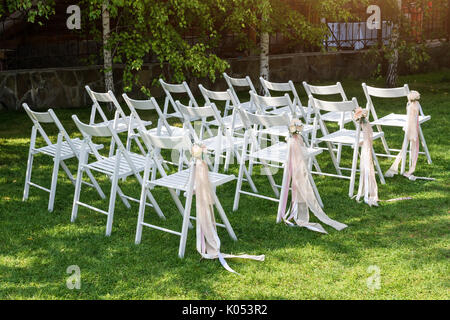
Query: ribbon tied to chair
(208,242)
(412,136)
(303,198)
(367,183)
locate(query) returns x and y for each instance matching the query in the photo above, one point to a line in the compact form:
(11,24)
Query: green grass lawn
(407,240)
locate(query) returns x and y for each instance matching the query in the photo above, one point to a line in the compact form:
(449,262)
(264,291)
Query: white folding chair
(119,166)
(120,123)
(274,156)
(241,83)
(184,181)
(170,89)
(335,89)
(65,148)
(288,88)
(341,118)
(232,122)
(162,128)
(277,105)
(393,119)
(345,137)
(222,142)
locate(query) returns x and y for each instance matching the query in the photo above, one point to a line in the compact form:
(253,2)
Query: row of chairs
(247,131)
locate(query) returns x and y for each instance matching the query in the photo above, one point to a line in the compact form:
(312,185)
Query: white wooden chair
(277,105)
(341,118)
(274,156)
(288,88)
(119,166)
(345,137)
(184,181)
(181,89)
(162,128)
(335,89)
(393,119)
(120,123)
(222,142)
(65,148)
(232,122)
(241,83)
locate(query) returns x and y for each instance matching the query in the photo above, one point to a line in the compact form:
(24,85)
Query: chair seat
(345,136)
(278,153)
(285,109)
(336,117)
(122,124)
(180,180)
(283,130)
(227,143)
(250,107)
(66,151)
(107,165)
(228,122)
(397,120)
(175,114)
(176,131)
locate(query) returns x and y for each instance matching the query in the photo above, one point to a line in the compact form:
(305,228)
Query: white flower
(197,151)
(295,127)
(413,96)
(359,113)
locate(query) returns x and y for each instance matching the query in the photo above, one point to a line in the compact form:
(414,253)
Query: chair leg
(95,183)
(424,144)
(141,213)
(51,200)
(76,196)
(353,173)
(114,191)
(403,155)
(377,165)
(26,190)
(333,158)
(184,229)
(383,140)
(239,184)
(67,171)
(283,191)
(224,218)
(112,204)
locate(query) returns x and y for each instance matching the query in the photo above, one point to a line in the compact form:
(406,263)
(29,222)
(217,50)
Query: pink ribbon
(208,242)
(303,195)
(367,181)
(411,135)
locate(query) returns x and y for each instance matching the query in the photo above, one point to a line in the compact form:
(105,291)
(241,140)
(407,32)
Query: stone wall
(64,87)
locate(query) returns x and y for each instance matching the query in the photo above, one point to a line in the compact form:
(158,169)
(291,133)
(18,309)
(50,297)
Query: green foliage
(35,11)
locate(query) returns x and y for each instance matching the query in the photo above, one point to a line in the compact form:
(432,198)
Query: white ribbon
(367,181)
(303,196)
(411,138)
(208,242)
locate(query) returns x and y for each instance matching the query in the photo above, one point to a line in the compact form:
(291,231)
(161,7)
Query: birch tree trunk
(107,57)
(264,43)
(392,73)
(264,55)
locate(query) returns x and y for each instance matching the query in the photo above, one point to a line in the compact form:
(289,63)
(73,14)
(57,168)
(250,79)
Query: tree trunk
(264,44)
(392,73)
(107,57)
(264,56)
